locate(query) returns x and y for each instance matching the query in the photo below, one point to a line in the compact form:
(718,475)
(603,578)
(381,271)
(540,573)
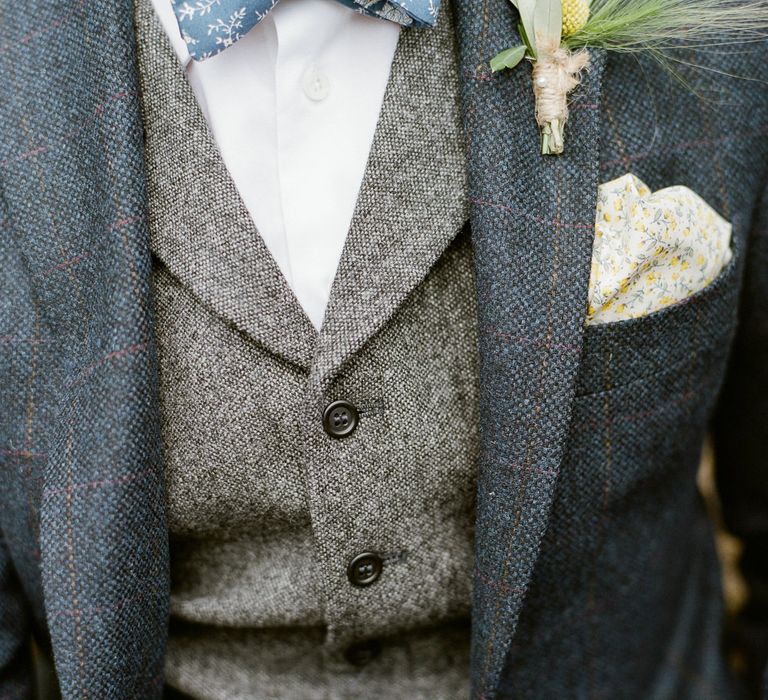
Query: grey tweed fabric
(266,510)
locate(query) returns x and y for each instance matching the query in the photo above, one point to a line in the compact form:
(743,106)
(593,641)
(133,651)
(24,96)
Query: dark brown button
(364,569)
(340,419)
(362,653)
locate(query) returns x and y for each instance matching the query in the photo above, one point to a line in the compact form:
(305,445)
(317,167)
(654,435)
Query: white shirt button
(316,84)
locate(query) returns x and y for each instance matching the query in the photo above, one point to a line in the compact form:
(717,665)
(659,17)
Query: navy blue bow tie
(210,26)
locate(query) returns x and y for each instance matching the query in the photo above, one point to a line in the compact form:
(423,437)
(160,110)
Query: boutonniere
(557,36)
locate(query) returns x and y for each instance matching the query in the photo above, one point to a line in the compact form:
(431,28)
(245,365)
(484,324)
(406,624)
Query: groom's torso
(594,572)
(268,504)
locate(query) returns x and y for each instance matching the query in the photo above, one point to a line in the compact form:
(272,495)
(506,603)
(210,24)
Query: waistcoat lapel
(199,225)
(413,199)
(72,180)
(532,224)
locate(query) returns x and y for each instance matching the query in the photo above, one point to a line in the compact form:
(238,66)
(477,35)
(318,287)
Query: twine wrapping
(555,74)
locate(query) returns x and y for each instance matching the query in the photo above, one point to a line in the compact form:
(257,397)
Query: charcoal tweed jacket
(595,572)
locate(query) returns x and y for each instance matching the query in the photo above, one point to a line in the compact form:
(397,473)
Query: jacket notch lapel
(532,222)
(94,412)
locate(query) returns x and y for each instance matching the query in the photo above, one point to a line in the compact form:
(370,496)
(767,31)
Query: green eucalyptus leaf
(547,24)
(508,58)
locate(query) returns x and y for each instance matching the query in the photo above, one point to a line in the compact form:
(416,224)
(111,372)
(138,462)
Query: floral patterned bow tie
(210,26)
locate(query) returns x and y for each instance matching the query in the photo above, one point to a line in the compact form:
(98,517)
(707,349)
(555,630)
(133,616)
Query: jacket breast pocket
(689,336)
(645,392)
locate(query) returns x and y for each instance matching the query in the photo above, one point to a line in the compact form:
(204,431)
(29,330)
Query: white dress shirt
(293,107)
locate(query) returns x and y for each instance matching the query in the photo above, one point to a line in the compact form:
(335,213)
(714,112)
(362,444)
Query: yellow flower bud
(575,16)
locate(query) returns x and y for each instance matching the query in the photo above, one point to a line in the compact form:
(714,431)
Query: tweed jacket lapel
(207,238)
(413,199)
(72,181)
(532,223)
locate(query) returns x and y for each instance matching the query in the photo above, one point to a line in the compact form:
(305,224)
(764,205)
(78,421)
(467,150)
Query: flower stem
(552,142)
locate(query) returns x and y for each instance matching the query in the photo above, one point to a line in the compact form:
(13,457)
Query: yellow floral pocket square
(652,249)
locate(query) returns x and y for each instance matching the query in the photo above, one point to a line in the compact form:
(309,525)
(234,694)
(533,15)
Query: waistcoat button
(340,419)
(364,569)
(362,653)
